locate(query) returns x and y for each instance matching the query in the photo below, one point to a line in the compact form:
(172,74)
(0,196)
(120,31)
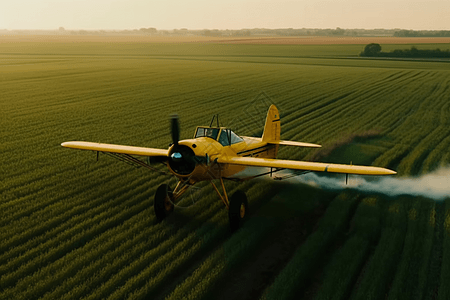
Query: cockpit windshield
(207,132)
(226,138)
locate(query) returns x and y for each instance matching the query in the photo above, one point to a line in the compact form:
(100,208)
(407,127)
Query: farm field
(75,228)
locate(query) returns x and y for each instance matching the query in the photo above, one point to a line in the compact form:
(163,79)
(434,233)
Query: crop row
(76,237)
(382,117)
(294,277)
(345,266)
(55,229)
(71,229)
(411,277)
(444,290)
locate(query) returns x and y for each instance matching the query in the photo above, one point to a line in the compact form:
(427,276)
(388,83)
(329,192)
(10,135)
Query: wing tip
(391,172)
(384,171)
(70,144)
(66,144)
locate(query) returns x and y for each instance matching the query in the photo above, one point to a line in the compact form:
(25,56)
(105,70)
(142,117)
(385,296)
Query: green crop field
(75,228)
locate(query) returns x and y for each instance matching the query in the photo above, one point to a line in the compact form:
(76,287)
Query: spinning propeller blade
(175,129)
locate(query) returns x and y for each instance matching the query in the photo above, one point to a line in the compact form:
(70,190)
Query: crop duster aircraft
(217,153)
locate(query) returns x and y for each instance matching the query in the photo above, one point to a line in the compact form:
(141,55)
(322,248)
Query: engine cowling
(182,159)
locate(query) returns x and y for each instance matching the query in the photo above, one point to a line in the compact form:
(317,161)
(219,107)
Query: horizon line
(254,28)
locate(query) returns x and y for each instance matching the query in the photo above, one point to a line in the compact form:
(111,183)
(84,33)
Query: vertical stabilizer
(271,131)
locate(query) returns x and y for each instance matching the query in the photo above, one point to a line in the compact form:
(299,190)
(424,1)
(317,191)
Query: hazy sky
(223,14)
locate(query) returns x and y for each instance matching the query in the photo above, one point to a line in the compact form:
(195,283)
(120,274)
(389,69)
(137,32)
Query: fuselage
(207,148)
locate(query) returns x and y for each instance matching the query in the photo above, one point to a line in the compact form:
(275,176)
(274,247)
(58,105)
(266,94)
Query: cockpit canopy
(224,136)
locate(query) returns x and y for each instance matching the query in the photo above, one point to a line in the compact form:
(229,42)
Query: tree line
(422,33)
(241,32)
(214,32)
(374,50)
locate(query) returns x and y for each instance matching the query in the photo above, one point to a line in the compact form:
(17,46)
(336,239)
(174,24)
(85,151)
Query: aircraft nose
(182,160)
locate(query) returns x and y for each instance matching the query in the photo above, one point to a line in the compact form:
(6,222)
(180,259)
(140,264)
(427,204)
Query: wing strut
(132,161)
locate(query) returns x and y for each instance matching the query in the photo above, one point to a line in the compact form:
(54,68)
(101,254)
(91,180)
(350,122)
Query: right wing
(124,153)
(111,148)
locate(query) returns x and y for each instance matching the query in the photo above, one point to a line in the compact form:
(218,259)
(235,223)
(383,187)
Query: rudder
(272,129)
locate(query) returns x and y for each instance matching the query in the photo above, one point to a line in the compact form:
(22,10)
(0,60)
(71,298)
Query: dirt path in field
(250,279)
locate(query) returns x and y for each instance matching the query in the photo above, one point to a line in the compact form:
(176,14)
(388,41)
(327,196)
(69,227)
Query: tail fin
(271,131)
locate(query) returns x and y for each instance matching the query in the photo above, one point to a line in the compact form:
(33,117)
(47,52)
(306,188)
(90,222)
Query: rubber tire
(163,194)
(234,212)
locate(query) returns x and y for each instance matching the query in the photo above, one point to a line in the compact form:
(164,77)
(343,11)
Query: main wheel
(163,203)
(238,210)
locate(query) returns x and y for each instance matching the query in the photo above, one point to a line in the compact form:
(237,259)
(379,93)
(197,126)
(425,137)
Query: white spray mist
(435,185)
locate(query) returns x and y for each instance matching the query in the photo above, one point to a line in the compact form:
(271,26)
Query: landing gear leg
(163,203)
(237,206)
(165,198)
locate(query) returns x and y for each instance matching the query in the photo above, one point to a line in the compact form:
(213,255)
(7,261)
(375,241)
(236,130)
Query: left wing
(304,165)
(111,148)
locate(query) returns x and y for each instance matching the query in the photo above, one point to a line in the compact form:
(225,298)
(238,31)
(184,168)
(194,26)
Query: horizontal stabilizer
(297,144)
(286,143)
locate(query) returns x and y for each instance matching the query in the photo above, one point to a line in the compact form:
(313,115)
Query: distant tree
(246,33)
(206,32)
(149,30)
(372,49)
(338,31)
(61,29)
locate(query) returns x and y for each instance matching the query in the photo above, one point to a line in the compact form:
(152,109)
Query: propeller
(175,129)
(182,158)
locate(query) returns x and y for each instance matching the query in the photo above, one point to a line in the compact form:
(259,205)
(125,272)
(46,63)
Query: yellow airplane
(217,153)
